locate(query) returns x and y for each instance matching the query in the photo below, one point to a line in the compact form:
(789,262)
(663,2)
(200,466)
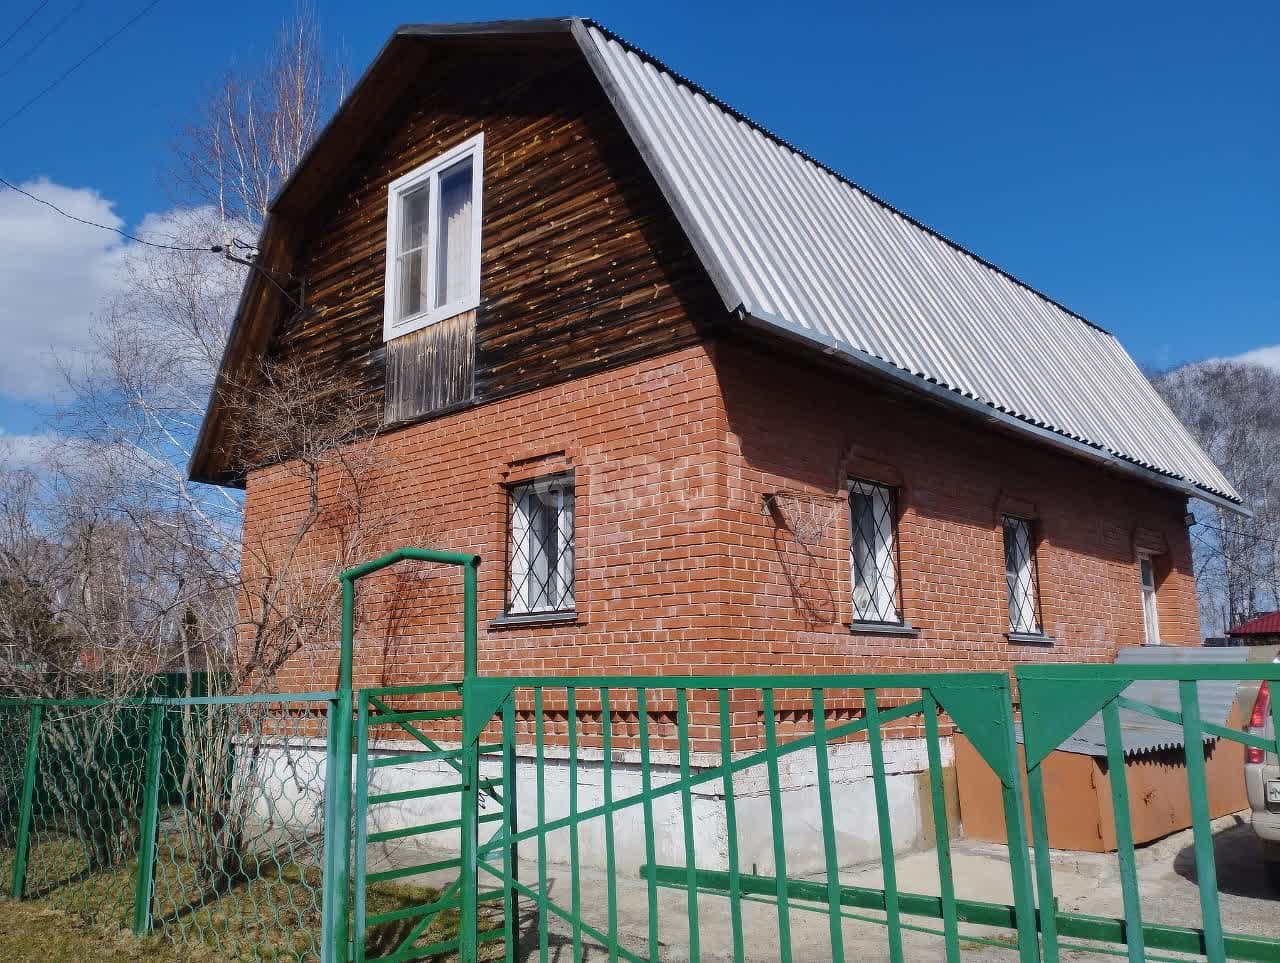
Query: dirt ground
(31,932)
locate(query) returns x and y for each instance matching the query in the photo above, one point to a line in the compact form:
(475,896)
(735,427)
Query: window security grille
(873,552)
(1020,576)
(540,550)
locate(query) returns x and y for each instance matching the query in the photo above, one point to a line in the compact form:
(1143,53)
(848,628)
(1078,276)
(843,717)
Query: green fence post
(1016,835)
(332,901)
(469,924)
(144,882)
(1044,866)
(23,843)
(1114,738)
(342,826)
(339,867)
(469,936)
(1201,825)
(359,914)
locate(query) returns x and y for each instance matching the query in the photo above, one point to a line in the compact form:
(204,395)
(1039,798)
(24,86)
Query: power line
(107,227)
(211,249)
(18,29)
(1227,531)
(42,38)
(76,66)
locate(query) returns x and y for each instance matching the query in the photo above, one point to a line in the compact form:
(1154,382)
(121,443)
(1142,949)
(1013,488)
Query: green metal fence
(216,822)
(1056,701)
(668,755)
(230,822)
(197,820)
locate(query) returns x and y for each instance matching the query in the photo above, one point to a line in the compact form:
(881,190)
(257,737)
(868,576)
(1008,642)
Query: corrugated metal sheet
(791,244)
(1141,733)
(1266,624)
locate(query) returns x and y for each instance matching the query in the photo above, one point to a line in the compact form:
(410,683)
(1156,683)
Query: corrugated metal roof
(1265,624)
(1141,733)
(793,245)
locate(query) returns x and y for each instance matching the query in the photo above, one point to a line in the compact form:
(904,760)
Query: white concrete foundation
(852,789)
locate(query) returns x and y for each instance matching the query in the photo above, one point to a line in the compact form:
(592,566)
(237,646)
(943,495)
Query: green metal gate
(677,737)
(421,715)
(644,758)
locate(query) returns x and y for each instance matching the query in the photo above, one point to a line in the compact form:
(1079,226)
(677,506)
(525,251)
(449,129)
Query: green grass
(269,911)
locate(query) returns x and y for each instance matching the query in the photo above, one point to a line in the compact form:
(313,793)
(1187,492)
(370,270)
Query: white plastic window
(433,240)
(1150,617)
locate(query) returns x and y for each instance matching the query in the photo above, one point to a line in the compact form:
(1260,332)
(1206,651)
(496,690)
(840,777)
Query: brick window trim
(857,466)
(1148,541)
(1019,506)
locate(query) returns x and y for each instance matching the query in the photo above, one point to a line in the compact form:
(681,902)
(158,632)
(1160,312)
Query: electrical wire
(215,249)
(1227,531)
(79,63)
(22,57)
(26,20)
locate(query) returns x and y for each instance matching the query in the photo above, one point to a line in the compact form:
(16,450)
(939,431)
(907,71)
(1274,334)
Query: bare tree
(256,125)
(138,401)
(1233,410)
(113,566)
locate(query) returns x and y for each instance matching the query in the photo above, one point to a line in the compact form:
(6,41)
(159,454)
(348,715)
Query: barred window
(540,549)
(1020,575)
(873,552)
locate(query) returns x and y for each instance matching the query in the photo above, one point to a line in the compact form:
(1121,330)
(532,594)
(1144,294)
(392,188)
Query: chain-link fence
(199,820)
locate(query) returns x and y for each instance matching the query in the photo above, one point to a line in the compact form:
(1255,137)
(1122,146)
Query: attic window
(433,240)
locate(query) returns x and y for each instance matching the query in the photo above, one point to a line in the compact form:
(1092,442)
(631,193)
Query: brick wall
(679,566)
(791,427)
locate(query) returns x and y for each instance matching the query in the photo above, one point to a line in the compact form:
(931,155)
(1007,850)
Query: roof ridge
(828,169)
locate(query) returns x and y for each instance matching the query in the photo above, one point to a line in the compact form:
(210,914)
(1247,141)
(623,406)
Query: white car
(1262,782)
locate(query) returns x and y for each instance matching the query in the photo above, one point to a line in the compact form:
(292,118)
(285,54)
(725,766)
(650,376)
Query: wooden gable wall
(583,265)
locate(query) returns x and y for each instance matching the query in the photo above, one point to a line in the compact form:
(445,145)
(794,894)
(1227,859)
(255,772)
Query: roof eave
(974,407)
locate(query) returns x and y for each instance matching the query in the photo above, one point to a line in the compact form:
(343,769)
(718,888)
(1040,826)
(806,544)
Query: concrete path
(1083,882)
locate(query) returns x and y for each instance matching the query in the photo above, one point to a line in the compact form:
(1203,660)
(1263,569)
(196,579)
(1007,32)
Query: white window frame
(1151,617)
(430,173)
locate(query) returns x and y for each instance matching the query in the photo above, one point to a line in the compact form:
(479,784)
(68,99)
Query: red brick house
(699,402)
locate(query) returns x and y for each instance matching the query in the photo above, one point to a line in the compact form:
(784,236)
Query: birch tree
(1233,411)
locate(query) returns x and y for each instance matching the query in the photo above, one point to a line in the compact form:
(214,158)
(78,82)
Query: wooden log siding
(583,265)
(431,369)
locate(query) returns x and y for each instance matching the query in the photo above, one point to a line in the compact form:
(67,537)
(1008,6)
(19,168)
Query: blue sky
(1122,158)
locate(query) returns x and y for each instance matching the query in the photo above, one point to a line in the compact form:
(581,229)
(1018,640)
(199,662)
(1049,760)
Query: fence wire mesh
(198,820)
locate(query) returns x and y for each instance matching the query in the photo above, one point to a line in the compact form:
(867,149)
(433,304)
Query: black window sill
(533,619)
(884,628)
(1030,638)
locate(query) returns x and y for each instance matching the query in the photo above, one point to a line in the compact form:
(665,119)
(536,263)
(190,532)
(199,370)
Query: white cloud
(26,451)
(1269,356)
(55,275)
